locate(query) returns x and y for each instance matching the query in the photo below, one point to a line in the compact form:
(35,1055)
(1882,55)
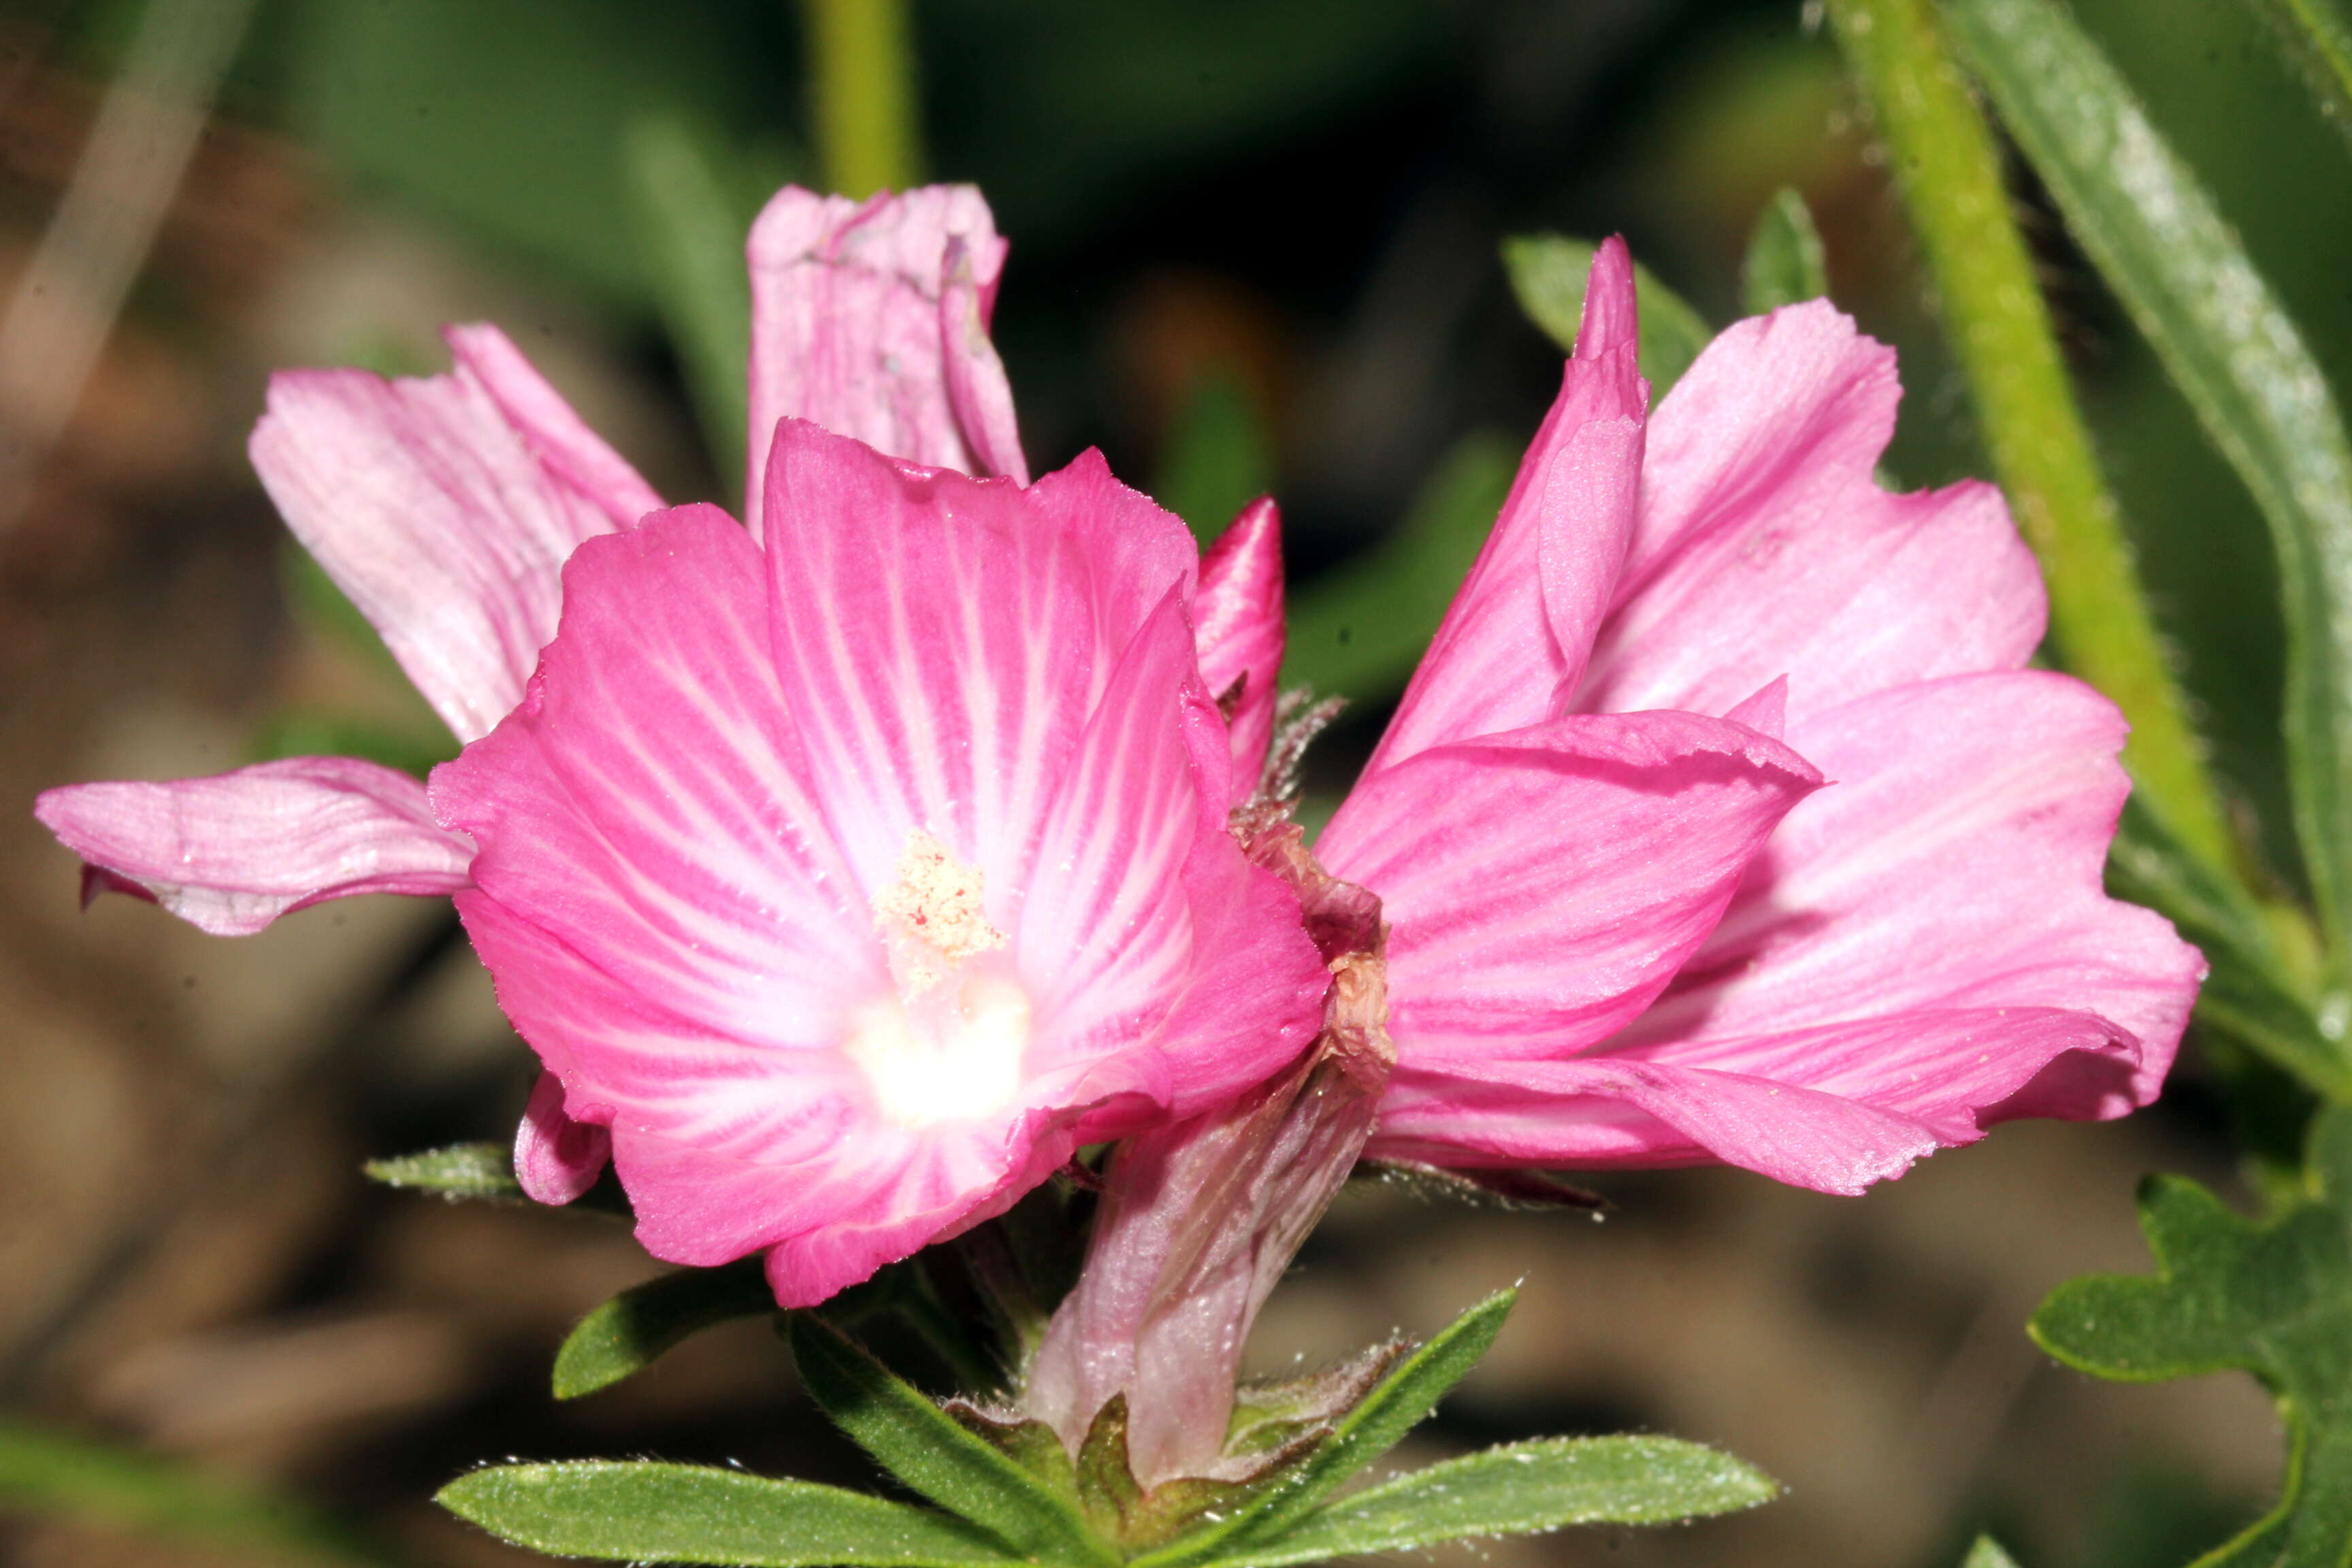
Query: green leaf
(640,1511)
(2249,994)
(929,1450)
(1362,1436)
(1547,273)
(2274,1299)
(629,1332)
(1360,629)
(2318,43)
(1784,264)
(483,1171)
(690,227)
(1987,1553)
(1219,454)
(56,1473)
(1520,1490)
(2180,271)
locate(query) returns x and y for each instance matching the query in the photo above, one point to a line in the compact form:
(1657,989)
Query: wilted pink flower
(960,902)
(1724,821)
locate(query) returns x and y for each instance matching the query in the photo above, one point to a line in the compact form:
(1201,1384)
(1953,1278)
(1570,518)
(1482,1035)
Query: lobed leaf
(928,1449)
(1547,273)
(2274,1299)
(642,1511)
(629,1332)
(2188,285)
(1362,1436)
(1785,264)
(1521,1489)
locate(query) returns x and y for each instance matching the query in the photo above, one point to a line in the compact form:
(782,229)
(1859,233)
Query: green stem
(862,65)
(1948,170)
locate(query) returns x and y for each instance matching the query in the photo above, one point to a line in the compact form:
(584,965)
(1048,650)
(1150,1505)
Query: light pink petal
(1543,886)
(1238,618)
(231,853)
(1767,548)
(1499,660)
(445,508)
(942,640)
(644,803)
(851,321)
(1954,864)
(557,1159)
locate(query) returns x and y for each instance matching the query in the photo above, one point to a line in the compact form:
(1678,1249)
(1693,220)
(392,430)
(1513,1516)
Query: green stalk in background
(1949,173)
(861,68)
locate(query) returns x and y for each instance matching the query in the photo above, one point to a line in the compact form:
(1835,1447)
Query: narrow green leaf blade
(1522,1489)
(1360,630)
(2247,994)
(57,1473)
(644,1513)
(1987,1553)
(483,1171)
(635,1327)
(1785,263)
(1362,1436)
(926,1448)
(690,231)
(2318,44)
(1548,274)
(2182,272)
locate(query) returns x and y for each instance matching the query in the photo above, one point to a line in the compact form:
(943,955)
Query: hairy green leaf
(1362,1436)
(1784,264)
(2182,272)
(642,1511)
(2249,994)
(1520,1490)
(56,1473)
(629,1332)
(2318,43)
(483,1171)
(1360,630)
(929,1450)
(2274,1299)
(1548,274)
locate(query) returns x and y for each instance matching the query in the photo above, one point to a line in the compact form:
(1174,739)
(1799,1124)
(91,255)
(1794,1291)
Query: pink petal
(1543,886)
(942,640)
(870,319)
(1767,548)
(1238,619)
(445,508)
(1955,865)
(231,853)
(1499,661)
(557,1159)
(644,803)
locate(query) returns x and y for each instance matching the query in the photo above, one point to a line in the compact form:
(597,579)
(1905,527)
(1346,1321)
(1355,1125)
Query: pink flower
(1084,912)
(1723,820)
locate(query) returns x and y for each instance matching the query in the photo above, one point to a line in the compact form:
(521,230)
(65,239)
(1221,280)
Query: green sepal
(1785,264)
(630,1331)
(641,1511)
(1547,273)
(2271,1298)
(1362,1436)
(933,1454)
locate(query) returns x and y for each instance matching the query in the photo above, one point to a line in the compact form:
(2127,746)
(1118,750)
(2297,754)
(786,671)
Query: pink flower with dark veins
(844,871)
(1724,821)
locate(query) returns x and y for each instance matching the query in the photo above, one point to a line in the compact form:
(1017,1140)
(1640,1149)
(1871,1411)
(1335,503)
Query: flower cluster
(851,867)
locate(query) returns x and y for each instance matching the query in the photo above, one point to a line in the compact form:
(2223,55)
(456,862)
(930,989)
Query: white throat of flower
(947,1042)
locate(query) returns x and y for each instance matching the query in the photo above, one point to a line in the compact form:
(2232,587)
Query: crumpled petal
(1237,615)
(1543,886)
(1498,663)
(231,853)
(557,1159)
(445,508)
(870,319)
(1767,548)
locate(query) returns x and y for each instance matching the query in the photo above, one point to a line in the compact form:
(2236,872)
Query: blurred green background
(1255,248)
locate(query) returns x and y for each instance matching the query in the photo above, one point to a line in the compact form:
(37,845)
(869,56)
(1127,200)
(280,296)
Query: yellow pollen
(932,914)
